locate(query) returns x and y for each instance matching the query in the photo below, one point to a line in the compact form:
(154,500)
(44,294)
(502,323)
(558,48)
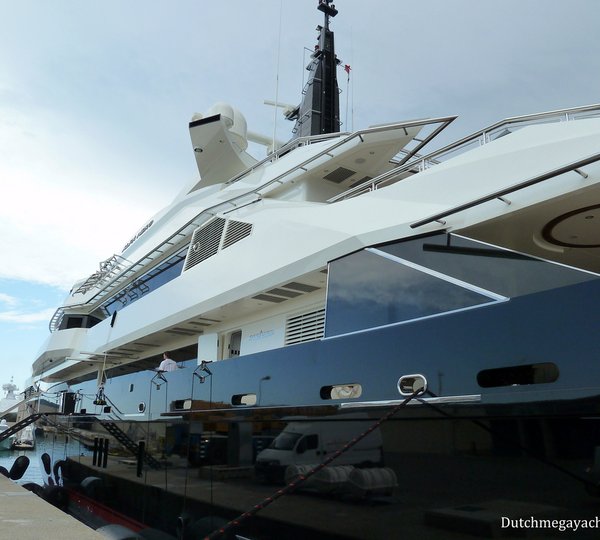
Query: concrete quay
(26,516)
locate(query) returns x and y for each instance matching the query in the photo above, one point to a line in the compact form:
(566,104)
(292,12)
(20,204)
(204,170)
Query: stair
(15,428)
(128,443)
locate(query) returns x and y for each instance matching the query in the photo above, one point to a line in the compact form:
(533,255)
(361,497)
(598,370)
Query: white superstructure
(255,247)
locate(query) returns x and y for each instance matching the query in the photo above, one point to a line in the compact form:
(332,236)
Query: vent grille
(236,231)
(207,239)
(269,298)
(305,327)
(339,175)
(205,242)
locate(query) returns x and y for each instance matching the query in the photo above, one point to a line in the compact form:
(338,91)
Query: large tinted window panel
(151,281)
(366,290)
(503,272)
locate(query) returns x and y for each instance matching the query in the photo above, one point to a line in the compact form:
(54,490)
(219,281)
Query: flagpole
(347,69)
(273,149)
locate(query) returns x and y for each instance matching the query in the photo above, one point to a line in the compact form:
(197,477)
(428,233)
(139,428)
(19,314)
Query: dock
(26,516)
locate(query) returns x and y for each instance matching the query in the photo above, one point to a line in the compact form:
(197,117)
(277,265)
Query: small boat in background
(5,444)
(9,402)
(25,439)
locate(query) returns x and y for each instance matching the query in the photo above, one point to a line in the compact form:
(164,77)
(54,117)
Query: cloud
(93,134)
(26,318)
(8,299)
(62,212)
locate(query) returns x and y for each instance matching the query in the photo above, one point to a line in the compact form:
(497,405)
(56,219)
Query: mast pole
(319,112)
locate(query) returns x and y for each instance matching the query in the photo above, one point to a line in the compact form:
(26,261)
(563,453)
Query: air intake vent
(205,242)
(339,175)
(305,327)
(363,180)
(236,231)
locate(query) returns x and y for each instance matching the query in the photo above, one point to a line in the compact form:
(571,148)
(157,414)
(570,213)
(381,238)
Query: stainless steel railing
(478,138)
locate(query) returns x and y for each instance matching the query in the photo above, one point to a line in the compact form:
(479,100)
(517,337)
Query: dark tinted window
(74,322)
(366,290)
(151,281)
(429,275)
(503,272)
(546,372)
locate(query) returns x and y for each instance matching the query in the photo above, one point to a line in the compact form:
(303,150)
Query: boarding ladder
(128,443)
(15,428)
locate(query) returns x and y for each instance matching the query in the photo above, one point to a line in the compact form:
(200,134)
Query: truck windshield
(285,441)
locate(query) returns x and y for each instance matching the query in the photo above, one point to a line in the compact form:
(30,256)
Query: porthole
(182,404)
(244,399)
(341,391)
(409,384)
(141,407)
(544,372)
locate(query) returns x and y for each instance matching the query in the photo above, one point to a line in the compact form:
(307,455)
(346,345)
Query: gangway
(128,443)
(109,426)
(15,428)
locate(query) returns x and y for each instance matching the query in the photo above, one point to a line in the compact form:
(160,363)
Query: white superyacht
(349,271)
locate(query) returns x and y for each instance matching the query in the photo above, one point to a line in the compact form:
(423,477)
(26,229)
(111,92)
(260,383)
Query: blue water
(57,446)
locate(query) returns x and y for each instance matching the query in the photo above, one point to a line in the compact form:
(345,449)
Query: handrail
(183,232)
(294,143)
(403,165)
(501,193)
(482,136)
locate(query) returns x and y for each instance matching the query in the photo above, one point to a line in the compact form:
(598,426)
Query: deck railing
(479,138)
(114,283)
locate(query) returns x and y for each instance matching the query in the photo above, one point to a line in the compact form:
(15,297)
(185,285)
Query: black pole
(140,457)
(105,456)
(95,455)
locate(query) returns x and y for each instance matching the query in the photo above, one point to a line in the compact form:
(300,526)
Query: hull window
(341,391)
(246,400)
(546,372)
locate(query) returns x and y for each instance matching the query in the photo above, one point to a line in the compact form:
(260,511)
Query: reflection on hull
(461,470)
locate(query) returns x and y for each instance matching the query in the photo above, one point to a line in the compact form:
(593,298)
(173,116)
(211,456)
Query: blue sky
(95,98)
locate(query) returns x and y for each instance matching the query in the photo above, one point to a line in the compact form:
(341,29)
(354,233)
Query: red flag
(347,69)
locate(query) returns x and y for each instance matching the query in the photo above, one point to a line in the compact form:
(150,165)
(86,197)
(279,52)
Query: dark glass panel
(545,372)
(366,290)
(74,322)
(151,281)
(494,269)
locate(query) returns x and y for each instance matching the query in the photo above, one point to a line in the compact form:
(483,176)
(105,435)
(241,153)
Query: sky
(95,100)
